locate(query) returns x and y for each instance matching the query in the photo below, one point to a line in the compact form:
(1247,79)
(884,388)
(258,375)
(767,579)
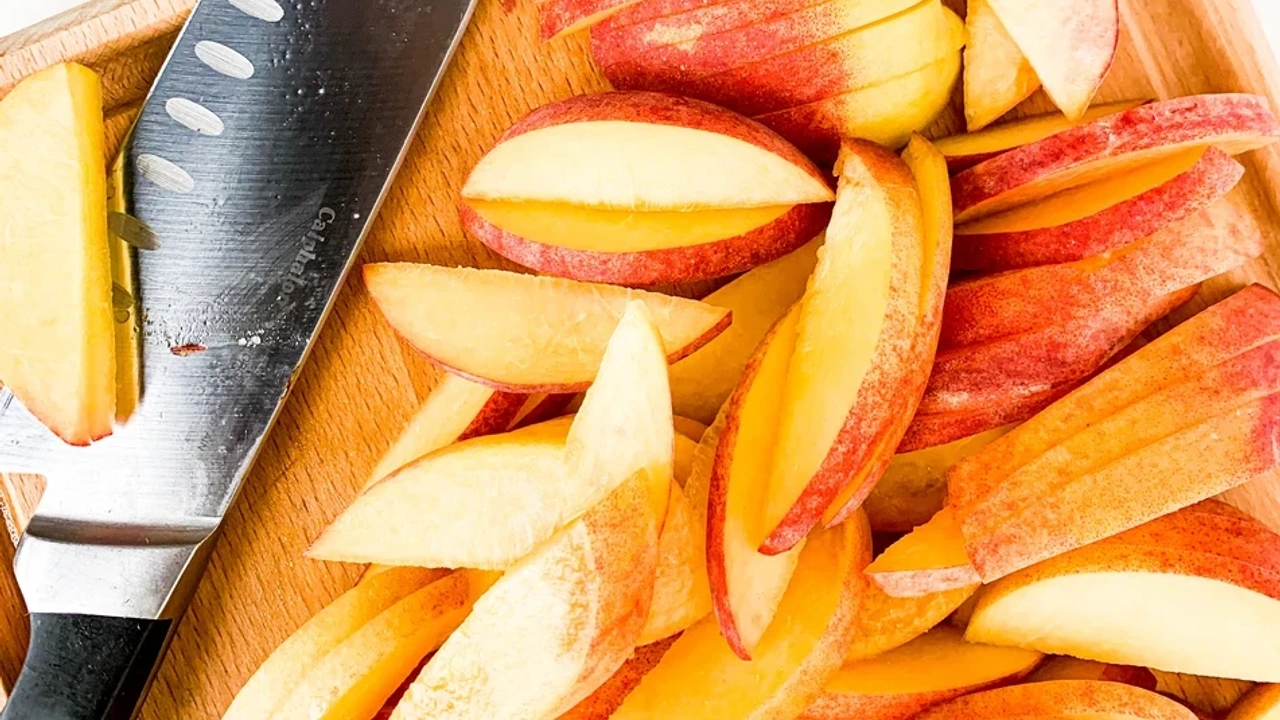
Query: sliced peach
(795,656)
(562,17)
(1099,217)
(681,592)
(1215,570)
(1262,703)
(541,407)
(59,351)
(997,76)
(746,587)
(932,669)
(885,622)
(1069,43)
(644,151)
(280,673)
(968,149)
(1110,145)
(691,429)
(602,703)
(859,320)
(520,332)
(640,248)
(1062,700)
(749,82)
(562,621)
(703,38)
(1069,668)
(887,113)
(914,487)
(456,410)
(702,382)
(357,677)
(930,559)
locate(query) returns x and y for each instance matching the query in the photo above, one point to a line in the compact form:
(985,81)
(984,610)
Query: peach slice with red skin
(885,622)
(800,649)
(566,617)
(932,669)
(521,332)
(602,703)
(929,559)
(858,322)
(1069,668)
(1205,561)
(968,149)
(1233,123)
(562,17)
(1070,44)
(1062,700)
(997,76)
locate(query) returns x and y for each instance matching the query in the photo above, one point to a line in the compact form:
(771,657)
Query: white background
(17,14)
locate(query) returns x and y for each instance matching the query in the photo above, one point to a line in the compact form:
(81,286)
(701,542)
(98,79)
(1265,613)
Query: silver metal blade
(255,169)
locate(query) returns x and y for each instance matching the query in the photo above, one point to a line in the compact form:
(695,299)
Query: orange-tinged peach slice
(1112,144)
(520,332)
(644,151)
(556,626)
(702,382)
(280,673)
(691,429)
(858,323)
(1069,668)
(932,669)
(1262,703)
(997,76)
(640,248)
(456,410)
(59,351)
(930,559)
(1215,570)
(746,587)
(885,622)
(1063,700)
(608,697)
(1099,217)
(801,648)
(356,677)
(968,149)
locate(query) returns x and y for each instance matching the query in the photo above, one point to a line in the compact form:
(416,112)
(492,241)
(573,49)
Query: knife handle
(86,667)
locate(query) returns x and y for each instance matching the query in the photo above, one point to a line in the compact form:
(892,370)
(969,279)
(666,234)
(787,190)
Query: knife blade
(252,174)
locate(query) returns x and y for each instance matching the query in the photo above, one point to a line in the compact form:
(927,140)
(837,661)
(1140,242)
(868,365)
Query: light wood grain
(362,382)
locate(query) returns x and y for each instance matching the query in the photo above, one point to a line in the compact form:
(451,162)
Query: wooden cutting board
(362,383)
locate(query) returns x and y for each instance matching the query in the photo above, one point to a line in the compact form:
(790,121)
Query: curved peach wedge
(997,76)
(965,150)
(521,332)
(1062,700)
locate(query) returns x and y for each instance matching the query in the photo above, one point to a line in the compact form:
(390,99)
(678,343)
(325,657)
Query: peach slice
(520,332)
(859,320)
(427,513)
(602,703)
(691,429)
(59,351)
(540,407)
(744,78)
(1262,703)
(1206,561)
(929,169)
(1063,700)
(746,587)
(280,673)
(887,113)
(930,670)
(1099,217)
(456,410)
(562,621)
(930,559)
(997,76)
(656,40)
(885,623)
(798,652)
(625,247)
(702,382)
(968,149)
(644,152)
(914,487)
(1069,43)
(562,17)
(1069,668)
(357,677)
(1112,144)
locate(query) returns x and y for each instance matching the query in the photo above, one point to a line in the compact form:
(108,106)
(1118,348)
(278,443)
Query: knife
(252,174)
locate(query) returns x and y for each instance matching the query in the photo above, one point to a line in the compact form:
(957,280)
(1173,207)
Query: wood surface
(362,383)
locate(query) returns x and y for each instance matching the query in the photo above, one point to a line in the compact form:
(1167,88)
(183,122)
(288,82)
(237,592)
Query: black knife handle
(86,667)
